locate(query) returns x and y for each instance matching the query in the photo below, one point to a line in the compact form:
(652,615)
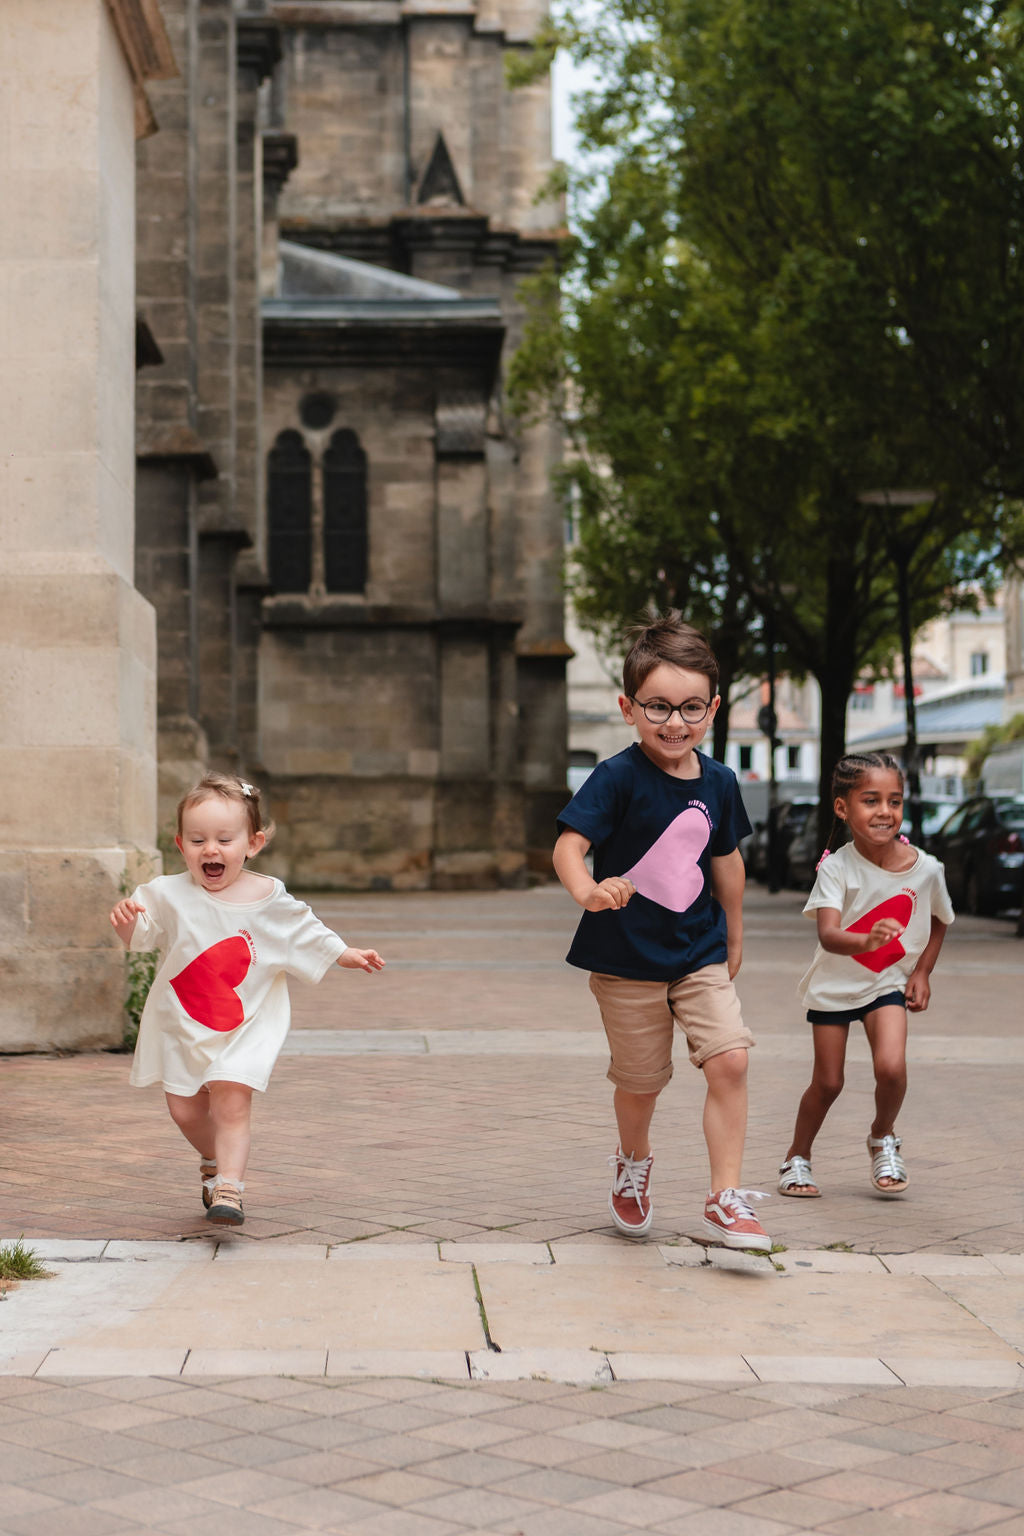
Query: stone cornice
(259,43)
(280,156)
(147,50)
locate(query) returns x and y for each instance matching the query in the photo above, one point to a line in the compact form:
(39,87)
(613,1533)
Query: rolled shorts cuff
(632,1082)
(741,1042)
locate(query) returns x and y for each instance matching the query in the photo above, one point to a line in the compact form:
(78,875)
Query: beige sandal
(208,1174)
(226,1203)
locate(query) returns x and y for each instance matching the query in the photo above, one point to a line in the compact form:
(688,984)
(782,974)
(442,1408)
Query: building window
(793,759)
(863,696)
(345,530)
(289,514)
(746,759)
(979,663)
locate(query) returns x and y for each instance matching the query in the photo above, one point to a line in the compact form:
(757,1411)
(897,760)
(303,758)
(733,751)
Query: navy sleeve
(733,822)
(595,810)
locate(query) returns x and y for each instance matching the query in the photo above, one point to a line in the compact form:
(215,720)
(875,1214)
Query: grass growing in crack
(836,1248)
(19,1263)
(483,1311)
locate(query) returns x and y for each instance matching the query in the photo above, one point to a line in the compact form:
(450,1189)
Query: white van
(1002,772)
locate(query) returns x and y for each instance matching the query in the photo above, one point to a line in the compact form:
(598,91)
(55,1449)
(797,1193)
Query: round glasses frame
(691,711)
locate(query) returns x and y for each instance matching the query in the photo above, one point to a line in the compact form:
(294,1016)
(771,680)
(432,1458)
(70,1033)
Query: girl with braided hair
(882,910)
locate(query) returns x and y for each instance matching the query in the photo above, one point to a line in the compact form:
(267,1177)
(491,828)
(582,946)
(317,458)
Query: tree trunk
(835,677)
(727,654)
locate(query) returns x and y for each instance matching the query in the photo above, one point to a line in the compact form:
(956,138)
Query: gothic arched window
(289,514)
(345,516)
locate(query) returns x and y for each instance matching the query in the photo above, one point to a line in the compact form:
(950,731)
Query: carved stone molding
(147,49)
(280,157)
(259,43)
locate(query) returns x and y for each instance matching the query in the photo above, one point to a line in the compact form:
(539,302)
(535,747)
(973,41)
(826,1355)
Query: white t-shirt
(218,1010)
(862,894)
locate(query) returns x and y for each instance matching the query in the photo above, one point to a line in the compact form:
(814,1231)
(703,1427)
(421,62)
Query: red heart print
(901,908)
(206,987)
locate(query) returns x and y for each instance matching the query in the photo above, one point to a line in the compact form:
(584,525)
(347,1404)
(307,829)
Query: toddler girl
(217,1014)
(882,909)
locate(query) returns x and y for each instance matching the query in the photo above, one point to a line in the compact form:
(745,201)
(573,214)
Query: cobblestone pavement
(448,1123)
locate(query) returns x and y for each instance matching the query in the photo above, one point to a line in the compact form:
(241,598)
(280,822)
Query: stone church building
(260,505)
(354,556)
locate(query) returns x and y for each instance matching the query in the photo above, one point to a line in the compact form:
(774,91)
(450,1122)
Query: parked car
(935,812)
(791,817)
(803,855)
(982,847)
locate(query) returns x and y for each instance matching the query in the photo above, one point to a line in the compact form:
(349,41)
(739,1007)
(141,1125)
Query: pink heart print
(206,987)
(668,872)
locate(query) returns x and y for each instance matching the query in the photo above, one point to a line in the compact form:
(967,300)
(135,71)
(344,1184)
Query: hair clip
(247,789)
(821,861)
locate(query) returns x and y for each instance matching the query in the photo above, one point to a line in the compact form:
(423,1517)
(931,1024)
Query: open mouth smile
(213,871)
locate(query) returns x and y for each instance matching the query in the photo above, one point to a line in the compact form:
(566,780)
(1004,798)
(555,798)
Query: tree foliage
(797,279)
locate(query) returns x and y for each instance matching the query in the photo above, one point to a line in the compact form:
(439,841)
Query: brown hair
(238,791)
(667,638)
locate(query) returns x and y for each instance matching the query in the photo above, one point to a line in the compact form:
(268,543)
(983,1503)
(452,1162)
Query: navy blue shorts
(850,1015)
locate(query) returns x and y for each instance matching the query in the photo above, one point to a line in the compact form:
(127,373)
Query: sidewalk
(428,1235)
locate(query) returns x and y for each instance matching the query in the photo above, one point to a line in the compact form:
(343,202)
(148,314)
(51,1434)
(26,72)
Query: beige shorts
(639,1019)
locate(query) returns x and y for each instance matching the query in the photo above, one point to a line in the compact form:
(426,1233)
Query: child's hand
(124,917)
(734,956)
(919,992)
(610,894)
(361,960)
(882,932)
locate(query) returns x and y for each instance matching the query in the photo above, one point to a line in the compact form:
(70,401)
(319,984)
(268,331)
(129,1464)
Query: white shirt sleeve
(831,886)
(150,931)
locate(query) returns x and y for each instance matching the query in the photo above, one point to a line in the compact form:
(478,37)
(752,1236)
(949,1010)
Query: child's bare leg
(725,1116)
(230,1112)
(824,1088)
(886,1030)
(192,1117)
(633,1115)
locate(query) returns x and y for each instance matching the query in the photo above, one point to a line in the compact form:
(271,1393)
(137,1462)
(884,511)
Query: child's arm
(124,917)
(606,895)
(919,988)
(834,938)
(366,960)
(728,878)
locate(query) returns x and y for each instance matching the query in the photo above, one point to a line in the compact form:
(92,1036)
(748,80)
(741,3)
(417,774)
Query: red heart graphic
(206,987)
(901,908)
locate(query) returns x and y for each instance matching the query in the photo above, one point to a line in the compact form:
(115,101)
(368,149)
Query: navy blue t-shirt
(661,832)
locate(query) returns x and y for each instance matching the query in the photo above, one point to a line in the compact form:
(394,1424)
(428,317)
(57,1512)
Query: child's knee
(890,1075)
(727,1070)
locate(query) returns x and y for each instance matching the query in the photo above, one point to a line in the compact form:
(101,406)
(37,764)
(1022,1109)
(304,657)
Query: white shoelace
(632,1174)
(737,1201)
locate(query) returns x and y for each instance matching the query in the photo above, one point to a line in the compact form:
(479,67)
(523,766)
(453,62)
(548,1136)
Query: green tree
(797,280)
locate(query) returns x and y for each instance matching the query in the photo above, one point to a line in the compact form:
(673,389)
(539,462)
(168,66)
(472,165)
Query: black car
(790,819)
(982,847)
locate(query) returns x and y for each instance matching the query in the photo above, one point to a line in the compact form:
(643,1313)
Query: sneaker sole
(762,1244)
(226,1215)
(626,1228)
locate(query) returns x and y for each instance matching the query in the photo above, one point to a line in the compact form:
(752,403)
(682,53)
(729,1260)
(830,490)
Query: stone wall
(77,645)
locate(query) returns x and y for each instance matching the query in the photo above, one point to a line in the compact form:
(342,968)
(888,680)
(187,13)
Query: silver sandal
(886,1163)
(797,1179)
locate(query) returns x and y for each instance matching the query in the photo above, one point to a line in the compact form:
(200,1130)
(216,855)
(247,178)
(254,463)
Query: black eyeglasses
(658,712)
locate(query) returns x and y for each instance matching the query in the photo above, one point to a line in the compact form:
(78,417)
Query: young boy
(662,928)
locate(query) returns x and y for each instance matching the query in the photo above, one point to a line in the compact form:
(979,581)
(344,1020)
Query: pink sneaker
(729,1219)
(628,1200)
